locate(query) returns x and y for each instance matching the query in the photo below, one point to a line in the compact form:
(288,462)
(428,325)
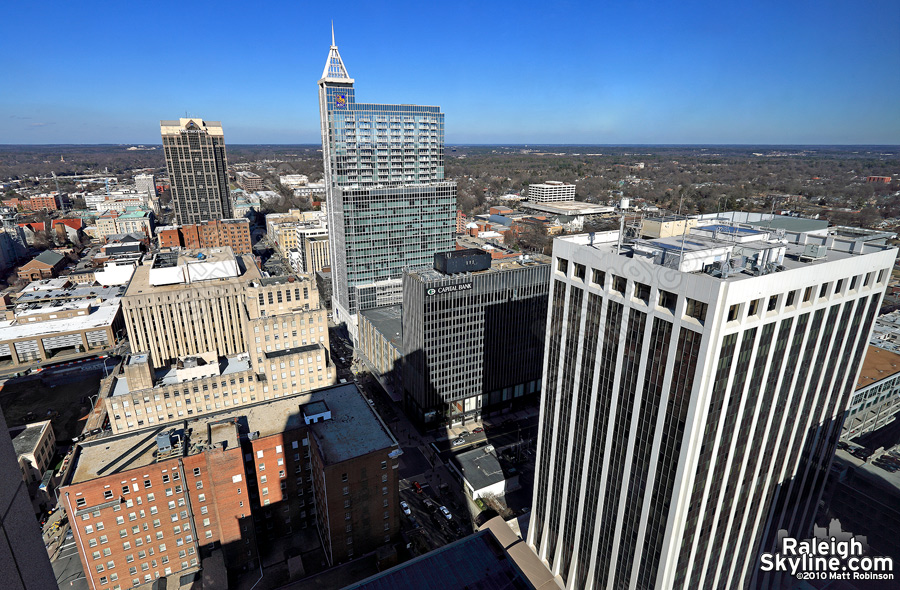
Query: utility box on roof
(460,261)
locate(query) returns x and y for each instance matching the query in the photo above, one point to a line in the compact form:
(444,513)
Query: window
(733,312)
(619,284)
(667,300)
(868,279)
(642,292)
(147,483)
(562,265)
(839,286)
(823,290)
(196,472)
(579,271)
(695,309)
(107,495)
(773,303)
(598,277)
(753,308)
(80,503)
(791,299)
(807,295)
(199,485)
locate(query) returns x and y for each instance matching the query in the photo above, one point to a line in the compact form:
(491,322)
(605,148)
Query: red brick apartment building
(209,234)
(156,502)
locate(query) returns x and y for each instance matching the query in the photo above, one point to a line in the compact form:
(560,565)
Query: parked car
(464,434)
(405,508)
(478,430)
(459,441)
(445,512)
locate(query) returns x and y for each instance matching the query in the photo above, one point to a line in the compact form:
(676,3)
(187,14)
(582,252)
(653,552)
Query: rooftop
(878,364)
(388,321)
(491,559)
(497,265)
(25,438)
(567,208)
(168,270)
(100,317)
(354,430)
(733,252)
(297,350)
(483,468)
(169,375)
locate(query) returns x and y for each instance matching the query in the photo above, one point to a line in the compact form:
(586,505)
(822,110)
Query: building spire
(335,71)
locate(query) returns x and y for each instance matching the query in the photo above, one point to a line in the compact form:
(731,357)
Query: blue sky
(756,71)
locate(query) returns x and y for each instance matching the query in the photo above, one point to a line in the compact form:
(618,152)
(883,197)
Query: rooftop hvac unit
(815,251)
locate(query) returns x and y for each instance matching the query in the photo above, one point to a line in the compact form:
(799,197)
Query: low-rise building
(45,265)
(249,181)
(381,345)
(483,473)
(876,401)
(35,446)
(218,233)
(231,481)
(128,222)
(45,324)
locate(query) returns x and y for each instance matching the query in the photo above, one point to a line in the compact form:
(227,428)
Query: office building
(208,332)
(249,181)
(23,556)
(389,207)
(473,335)
(195,158)
(145,183)
(551,191)
(155,503)
(694,390)
(876,401)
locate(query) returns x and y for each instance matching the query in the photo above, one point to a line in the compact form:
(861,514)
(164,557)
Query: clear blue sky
(757,71)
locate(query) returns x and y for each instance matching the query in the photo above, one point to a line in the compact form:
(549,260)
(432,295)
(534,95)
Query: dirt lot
(59,396)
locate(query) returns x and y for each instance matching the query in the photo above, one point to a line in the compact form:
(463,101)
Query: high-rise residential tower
(195,158)
(389,207)
(693,393)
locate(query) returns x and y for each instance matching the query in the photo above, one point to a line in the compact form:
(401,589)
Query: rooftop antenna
(683,233)
(332,34)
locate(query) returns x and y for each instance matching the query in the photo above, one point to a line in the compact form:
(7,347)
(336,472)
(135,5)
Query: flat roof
(879,364)
(567,207)
(168,375)
(483,468)
(354,430)
(296,350)
(489,559)
(388,321)
(101,317)
(26,440)
(798,224)
(428,273)
(140,281)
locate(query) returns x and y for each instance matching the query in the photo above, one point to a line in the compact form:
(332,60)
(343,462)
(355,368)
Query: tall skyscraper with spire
(389,206)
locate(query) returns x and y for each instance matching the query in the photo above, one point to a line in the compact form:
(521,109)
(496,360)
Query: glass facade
(389,207)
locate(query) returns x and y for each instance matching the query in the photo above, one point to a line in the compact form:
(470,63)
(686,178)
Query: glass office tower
(389,207)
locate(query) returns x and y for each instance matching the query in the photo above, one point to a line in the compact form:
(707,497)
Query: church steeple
(335,71)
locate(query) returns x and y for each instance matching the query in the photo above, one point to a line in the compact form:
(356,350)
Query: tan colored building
(209,332)
(314,251)
(35,446)
(666,227)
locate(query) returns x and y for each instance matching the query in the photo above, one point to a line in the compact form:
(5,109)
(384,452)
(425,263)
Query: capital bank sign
(448,289)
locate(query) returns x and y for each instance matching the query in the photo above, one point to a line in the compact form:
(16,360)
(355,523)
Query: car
(464,434)
(371,402)
(459,441)
(478,430)
(418,487)
(405,508)
(429,504)
(445,512)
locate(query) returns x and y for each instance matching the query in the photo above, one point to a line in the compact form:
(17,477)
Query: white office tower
(389,207)
(551,191)
(694,388)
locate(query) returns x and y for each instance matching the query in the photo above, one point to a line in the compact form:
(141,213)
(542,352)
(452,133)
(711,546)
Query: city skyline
(701,74)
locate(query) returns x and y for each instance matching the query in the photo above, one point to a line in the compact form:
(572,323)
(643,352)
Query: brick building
(234,233)
(154,503)
(45,265)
